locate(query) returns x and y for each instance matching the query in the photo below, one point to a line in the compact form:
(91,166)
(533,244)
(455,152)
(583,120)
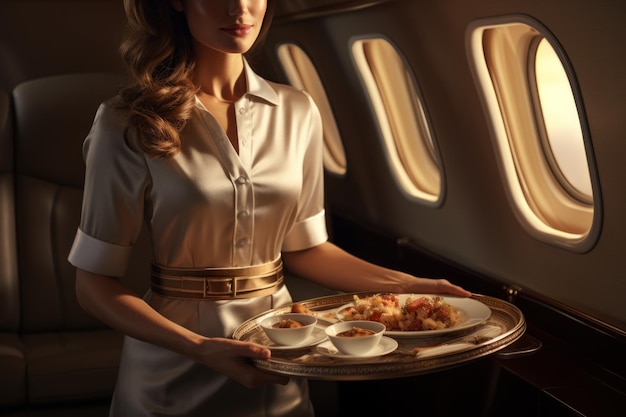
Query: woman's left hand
(436,286)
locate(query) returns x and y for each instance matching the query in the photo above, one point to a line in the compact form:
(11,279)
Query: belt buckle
(222,287)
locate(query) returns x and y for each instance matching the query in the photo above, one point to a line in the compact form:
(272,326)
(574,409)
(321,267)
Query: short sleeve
(116,180)
(309,230)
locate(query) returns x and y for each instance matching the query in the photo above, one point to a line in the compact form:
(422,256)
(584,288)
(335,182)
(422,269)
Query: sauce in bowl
(356,332)
(287,324)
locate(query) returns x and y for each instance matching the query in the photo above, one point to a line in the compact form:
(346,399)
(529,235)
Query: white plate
(474,311)
(317,335)
(386,345)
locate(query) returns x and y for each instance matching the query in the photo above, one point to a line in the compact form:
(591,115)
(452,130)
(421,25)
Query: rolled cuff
(99,257)
(307,233)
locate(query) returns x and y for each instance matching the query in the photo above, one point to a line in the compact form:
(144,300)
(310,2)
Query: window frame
(401,165)
(520,194)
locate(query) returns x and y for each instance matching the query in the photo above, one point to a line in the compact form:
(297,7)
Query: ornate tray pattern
(414,355)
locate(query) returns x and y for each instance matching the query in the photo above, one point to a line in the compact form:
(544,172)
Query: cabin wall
(475,226)
(46,37)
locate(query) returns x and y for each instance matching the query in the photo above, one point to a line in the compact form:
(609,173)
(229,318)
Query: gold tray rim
(502,312)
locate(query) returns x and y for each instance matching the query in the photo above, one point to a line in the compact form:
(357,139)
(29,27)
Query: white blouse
(207,206)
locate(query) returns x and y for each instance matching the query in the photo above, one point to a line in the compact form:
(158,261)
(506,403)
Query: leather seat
(56,359)
(51,351)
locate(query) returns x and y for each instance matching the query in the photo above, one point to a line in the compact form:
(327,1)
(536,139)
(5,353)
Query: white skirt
(154,381)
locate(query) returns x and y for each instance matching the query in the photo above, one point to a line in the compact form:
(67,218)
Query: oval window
(534,109)
(400,114)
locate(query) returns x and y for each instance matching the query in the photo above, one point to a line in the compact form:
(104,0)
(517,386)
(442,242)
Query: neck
(220,75)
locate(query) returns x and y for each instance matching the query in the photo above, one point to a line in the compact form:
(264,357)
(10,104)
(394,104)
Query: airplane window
(562,126)
(530,100)
(302,74)
(405,130)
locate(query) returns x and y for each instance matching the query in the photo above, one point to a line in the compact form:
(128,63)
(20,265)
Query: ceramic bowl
(355,345)
(289,336)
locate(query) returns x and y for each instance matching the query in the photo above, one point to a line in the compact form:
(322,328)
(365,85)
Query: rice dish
(417,312)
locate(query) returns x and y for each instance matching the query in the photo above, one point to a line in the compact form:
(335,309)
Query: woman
(225,169)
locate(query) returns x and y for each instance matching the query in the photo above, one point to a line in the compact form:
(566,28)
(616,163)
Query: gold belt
(218,283)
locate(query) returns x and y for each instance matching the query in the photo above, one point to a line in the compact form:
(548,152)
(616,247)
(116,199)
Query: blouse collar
(257,86)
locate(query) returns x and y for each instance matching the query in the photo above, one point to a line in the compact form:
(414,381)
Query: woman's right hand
(234,359)
(108,300)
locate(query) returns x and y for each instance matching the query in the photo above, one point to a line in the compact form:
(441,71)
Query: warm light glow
(538,136)
(302,74)
(404,129)
(561,118)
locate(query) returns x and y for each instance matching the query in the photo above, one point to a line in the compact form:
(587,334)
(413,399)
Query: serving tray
(413,356)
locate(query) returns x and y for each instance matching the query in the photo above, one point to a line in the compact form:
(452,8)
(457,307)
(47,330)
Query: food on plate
(356,332)
(417,312)
(299,308)
(287,324)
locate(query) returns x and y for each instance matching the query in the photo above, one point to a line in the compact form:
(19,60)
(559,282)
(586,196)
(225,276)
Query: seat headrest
(53,115)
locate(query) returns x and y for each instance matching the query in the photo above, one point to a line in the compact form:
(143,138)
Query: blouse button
(241,180)
(243,214)
(242,242)
(242,110)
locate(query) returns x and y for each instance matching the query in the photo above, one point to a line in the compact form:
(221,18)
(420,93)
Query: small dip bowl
(355,337)
(275,327)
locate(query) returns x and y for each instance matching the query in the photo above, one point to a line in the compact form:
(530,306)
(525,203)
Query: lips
(238,29)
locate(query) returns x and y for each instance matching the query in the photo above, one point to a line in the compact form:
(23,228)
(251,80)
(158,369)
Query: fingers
(446,286)
(235,359)
(438,286)
(250,376)
(255,351)
(260,352)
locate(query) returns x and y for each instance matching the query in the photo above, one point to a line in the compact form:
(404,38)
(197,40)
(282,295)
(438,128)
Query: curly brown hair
(158,51)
